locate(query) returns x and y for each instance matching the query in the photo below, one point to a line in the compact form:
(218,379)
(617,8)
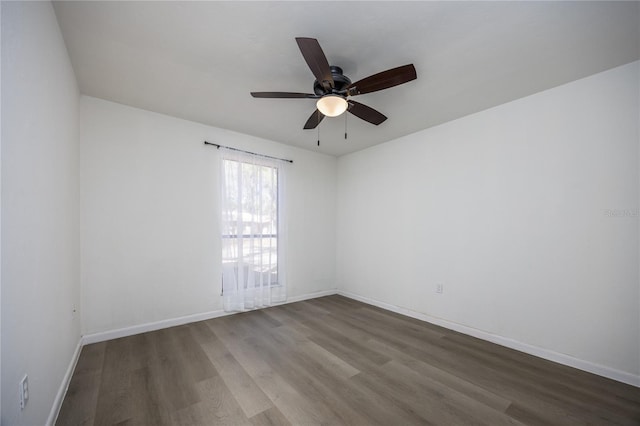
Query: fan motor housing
(340,82)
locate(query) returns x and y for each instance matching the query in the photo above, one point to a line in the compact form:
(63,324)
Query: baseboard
(102,336)
(172,322)
(64,385)
(310,296)
(600,370)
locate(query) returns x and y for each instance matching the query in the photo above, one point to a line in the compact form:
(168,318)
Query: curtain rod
(247,152)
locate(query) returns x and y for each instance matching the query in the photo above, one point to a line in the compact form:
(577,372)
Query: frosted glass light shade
(332,105)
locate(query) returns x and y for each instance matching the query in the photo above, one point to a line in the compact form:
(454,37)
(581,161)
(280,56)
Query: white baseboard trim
(64,385)
(172,322)
(102,336)
(600,370)
(310,296)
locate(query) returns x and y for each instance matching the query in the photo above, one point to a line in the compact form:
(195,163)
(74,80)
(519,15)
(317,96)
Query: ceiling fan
(333,89)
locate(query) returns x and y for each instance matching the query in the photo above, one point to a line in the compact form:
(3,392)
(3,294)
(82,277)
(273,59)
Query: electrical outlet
(439,288)
(24,391)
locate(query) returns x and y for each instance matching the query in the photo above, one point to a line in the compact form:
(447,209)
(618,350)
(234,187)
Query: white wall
(149,216)
(507,208)
(0,219)
(40,210)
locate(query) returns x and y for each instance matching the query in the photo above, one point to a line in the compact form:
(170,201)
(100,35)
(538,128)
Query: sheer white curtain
(253,231)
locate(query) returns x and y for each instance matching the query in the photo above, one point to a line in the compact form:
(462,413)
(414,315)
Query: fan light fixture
(332,105)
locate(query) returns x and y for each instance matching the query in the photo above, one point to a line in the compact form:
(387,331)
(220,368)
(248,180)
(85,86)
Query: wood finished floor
(330,361)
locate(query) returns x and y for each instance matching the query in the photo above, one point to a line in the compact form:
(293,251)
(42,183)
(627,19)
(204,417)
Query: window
(251,252)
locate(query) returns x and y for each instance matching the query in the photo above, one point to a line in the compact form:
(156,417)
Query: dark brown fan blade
(317,61)
(283,95)
(314,120)
(366,113)
(383,80)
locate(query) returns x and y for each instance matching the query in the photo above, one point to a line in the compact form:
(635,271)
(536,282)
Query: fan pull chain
(345,125)
(318,134)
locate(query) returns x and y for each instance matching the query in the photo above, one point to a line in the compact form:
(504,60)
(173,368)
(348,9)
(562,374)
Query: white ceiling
(200,60)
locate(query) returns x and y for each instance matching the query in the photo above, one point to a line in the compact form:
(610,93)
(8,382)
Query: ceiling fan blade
(284,95)
(366,113)
(314,120)
(317,61)
(383,80)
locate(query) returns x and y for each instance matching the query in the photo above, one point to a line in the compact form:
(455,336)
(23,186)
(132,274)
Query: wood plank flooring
(331,361)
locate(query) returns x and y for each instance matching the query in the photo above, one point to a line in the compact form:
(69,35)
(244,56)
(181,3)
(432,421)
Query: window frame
(278,188)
